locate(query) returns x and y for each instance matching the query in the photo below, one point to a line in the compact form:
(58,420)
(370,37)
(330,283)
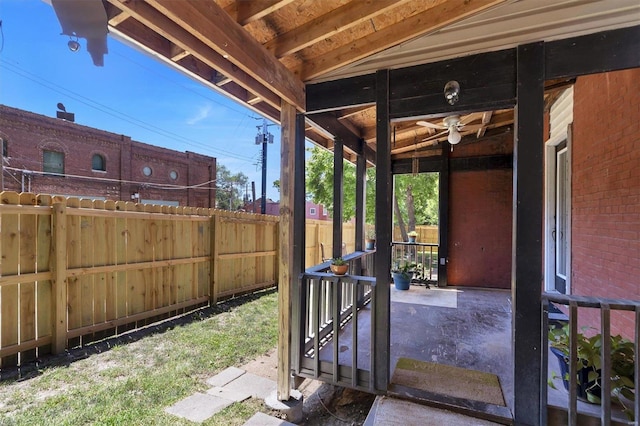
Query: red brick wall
(28,134)
(606,190)
(480,218)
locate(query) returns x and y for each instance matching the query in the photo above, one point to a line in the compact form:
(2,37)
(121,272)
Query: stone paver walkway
(228,386)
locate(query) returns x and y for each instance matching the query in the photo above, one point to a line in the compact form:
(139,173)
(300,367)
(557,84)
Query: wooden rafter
(208,22)
(486,119)
(333,22)
(159,23)
(422,23)
(245,12)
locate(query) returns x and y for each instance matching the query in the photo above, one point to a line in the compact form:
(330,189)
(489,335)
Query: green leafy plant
(406,269)
(588,365)
(412,234)
(338,261)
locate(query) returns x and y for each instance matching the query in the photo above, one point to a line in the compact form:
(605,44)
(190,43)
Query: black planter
(583,377)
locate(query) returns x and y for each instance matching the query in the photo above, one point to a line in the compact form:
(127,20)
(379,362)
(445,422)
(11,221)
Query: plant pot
(402,281)
(412,239)
(370,244)
(584,386)
(339,269)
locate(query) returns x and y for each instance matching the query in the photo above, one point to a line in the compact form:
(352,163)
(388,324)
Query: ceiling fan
(452,124)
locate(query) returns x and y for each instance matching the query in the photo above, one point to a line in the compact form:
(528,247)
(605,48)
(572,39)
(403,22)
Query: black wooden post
(526,275)
(338,181)
(384,214)
(361,196)
(443,215)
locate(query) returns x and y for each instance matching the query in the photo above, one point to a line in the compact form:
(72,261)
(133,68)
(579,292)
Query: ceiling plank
(212,25)
(168,29)
(323,27)
(245,12)
(427,21)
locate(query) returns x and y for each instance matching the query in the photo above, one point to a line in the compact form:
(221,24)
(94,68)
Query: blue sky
(133,94)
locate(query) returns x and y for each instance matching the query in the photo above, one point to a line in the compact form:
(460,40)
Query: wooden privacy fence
(74,270)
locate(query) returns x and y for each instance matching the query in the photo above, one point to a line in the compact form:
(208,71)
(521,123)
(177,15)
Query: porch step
(393,411)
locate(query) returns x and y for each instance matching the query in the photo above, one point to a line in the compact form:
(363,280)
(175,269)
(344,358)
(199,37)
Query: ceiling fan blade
(429,124)
(471,117)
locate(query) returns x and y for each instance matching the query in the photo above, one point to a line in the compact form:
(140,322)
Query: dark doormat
(456,382)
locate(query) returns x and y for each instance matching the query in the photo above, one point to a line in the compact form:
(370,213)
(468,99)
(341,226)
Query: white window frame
(550,211)
(312,211)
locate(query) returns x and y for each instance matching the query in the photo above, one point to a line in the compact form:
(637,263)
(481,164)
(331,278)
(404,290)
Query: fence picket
(43,287)
(9,266)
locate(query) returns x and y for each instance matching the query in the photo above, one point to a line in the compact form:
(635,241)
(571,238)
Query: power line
(107,110)
(164,186)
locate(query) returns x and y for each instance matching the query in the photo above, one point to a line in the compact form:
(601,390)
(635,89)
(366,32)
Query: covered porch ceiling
(265,52)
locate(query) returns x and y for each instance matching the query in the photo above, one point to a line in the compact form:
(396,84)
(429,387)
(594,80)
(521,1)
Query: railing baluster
(337,295)
(573,356)
(316,330)
(605,364)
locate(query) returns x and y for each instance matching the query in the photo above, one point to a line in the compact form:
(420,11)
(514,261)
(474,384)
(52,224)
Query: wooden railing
(76,270)
(328,304)
(423,255)
(570,414)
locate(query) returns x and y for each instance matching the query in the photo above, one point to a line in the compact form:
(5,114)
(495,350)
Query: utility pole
(263,138)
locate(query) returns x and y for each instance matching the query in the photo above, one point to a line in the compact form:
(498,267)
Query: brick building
(51,156)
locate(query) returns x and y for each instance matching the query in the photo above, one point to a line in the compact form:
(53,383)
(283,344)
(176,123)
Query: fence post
(59,275)
(215,227)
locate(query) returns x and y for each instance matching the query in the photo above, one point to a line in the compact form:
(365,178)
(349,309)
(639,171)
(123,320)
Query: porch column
(384,214)
(443,215)
(526,275)
(338,181)
(361,196)
(289,260)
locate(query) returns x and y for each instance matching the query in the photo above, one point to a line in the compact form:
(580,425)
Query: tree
(416,199)
(319,183)
(230,188)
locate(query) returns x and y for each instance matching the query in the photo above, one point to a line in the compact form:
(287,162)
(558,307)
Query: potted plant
(339,266)
(412,236)
(370,241)
(402,275)
(589,373)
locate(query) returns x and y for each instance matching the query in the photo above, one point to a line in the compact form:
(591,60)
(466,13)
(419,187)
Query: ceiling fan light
(454,136)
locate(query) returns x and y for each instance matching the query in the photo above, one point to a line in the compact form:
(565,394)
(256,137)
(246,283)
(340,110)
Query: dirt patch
(324,404)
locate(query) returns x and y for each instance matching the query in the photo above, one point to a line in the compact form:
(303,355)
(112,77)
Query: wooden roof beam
(245,12)
(118,19)
(429,20)
(168,29)
(333,22)
(212,25)
(486,119)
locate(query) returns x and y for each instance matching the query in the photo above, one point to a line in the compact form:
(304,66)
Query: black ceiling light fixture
(452,92)
(73,43)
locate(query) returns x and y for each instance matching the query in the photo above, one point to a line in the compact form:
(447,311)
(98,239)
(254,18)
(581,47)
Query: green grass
(133,383)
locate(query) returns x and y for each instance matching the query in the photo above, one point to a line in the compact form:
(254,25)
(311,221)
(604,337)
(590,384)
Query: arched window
(98,163)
